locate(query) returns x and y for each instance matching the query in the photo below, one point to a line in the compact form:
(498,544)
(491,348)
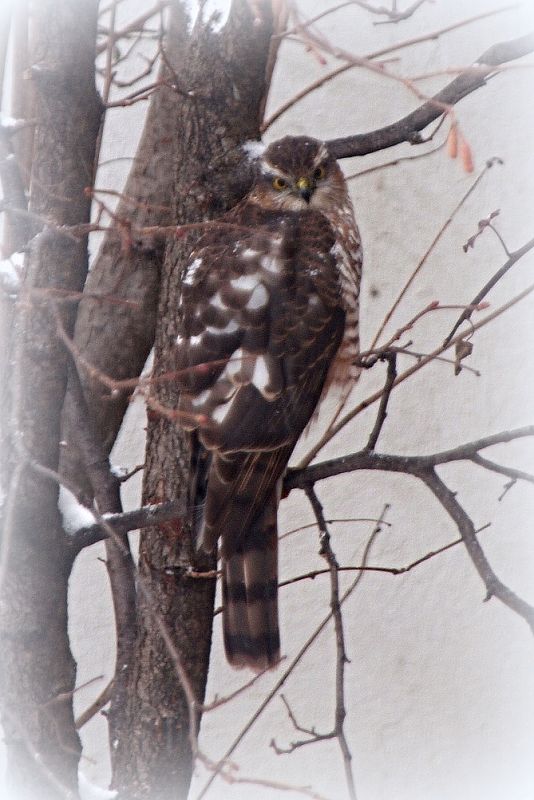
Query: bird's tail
(250,595)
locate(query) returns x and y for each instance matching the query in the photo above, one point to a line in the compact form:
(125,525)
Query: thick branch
(408,128)
(143,517)
(412,465)
(300,478)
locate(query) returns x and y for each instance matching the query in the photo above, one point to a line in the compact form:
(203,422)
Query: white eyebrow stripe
(321,156)
(269,169)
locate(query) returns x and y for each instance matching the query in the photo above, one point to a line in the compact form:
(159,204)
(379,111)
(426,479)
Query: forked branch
(409,127)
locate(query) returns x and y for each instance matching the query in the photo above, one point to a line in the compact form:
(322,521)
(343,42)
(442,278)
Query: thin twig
(396,161)
(391,359)
(408,373)
(494,587)
(97,705)
(430,249)
(328,522)
(509,472)
(136,25)
(309,642)
(387,570)
(371,56)
(341,655)
(398,16)
(513,259)
(393,16)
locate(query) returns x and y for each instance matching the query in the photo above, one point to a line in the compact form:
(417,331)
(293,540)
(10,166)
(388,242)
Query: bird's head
(297,172)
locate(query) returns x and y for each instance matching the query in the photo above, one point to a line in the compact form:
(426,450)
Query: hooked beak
(305,187)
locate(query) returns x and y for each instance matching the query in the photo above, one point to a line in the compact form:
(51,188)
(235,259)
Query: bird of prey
(269,322)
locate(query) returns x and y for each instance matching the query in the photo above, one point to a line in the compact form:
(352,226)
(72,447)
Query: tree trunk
(130,275)
(226,76)
(37,671)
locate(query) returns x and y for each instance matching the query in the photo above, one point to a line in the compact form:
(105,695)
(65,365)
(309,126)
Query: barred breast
(344,371)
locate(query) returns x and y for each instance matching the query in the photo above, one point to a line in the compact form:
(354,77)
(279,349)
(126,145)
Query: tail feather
(250,595)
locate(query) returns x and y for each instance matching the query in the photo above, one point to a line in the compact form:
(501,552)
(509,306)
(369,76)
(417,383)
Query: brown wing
(261,312)
(261,323)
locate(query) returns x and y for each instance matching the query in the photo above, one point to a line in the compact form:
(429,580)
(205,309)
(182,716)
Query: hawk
(269,321)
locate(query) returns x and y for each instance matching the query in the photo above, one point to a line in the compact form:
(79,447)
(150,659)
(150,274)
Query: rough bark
(17,228)
(37,671)
(227,75)
(16,146)
(131,274)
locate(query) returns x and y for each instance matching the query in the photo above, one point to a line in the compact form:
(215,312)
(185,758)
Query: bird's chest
(348,254)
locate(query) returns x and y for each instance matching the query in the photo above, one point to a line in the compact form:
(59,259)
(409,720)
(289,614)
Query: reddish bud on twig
(466,155)
(452,141)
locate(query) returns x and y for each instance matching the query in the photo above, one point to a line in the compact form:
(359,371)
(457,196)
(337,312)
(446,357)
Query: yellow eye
(319,173)
(279,183)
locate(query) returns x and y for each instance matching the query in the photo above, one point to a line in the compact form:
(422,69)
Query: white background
(440,684)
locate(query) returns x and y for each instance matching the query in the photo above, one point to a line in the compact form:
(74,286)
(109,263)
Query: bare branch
(299,478)
(513,259)
(309,642)
(136,25)
(408,373)
(510,472)
(119,561)
(494,587)
(341,656)
(389,570)
(396,16)
(97,705)
(408,128)
(391,359)
(423,467)
(489,164)
(329,522)
(396,161)
(369,57)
